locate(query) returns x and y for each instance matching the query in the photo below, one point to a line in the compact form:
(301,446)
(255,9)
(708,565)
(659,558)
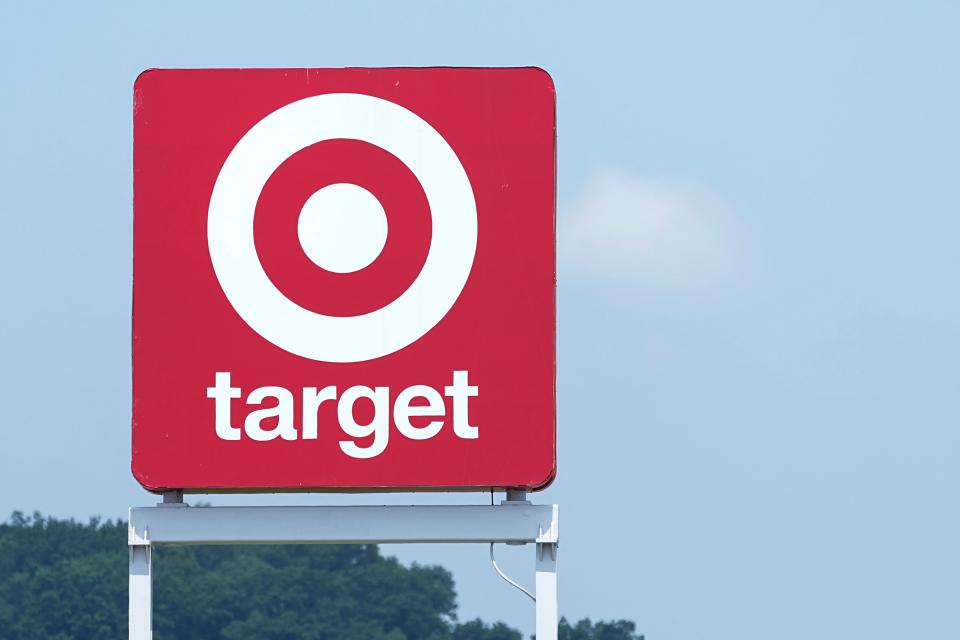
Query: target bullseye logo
(342,227)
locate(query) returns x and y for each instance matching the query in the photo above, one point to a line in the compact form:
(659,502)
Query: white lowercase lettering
(417,401)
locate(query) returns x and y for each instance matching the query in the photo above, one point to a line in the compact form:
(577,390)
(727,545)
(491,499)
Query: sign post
(344,280)
(516,523)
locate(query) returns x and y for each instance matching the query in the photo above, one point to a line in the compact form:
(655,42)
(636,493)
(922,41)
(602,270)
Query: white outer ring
(264,148)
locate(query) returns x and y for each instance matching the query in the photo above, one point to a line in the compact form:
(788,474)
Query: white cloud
(652,233)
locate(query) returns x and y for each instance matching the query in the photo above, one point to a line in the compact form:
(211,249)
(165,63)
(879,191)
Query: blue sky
(759,326)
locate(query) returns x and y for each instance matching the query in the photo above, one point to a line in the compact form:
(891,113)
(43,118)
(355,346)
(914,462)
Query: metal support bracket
(513,523)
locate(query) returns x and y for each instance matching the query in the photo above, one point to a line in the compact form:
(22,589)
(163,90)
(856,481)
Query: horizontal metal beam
(328,525)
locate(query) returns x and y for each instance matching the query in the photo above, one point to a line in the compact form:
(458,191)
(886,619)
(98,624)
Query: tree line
(66,580)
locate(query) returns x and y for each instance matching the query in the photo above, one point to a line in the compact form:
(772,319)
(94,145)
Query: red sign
(344,279)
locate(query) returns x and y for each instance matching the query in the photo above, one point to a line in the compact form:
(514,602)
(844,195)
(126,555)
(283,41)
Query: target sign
(344,279)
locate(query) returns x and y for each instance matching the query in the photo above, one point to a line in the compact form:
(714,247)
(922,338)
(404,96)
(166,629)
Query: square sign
(344,279)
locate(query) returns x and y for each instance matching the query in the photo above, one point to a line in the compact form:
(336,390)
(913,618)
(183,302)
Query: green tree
(586,630)
(477,630)
(63,580)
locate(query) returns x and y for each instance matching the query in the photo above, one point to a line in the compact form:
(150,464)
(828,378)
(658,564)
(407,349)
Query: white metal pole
(141,593)
(547,604)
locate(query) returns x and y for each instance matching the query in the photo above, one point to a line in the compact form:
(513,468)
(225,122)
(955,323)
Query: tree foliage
(586,630)
(63,580)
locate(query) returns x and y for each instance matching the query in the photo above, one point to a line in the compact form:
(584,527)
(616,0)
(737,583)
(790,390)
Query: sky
(758,319)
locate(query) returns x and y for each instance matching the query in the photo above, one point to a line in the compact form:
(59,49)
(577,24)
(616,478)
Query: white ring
(265,147)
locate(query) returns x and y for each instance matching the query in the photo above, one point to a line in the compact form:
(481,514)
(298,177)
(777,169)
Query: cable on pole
(504,576)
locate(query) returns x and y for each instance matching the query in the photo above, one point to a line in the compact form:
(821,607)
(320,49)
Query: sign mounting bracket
(513,522)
